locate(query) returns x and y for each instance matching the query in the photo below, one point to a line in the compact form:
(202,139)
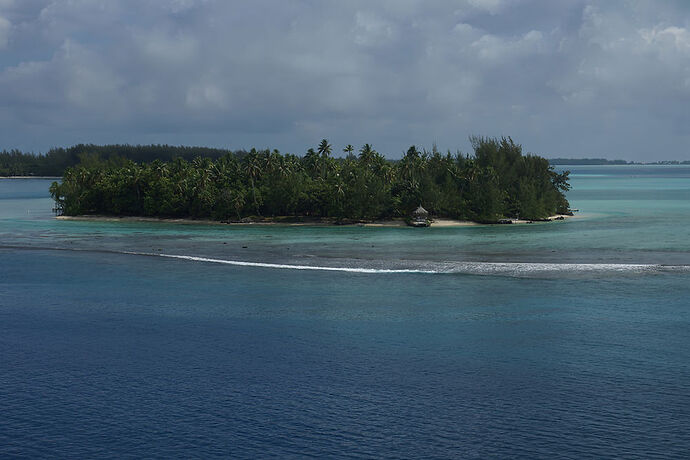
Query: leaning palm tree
(324,148)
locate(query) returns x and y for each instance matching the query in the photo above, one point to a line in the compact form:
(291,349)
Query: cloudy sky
(564,78)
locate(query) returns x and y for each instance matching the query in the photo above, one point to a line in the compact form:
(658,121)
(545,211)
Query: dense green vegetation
(55,161)
(497,181)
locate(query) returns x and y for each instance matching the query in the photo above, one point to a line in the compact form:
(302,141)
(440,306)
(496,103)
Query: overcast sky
(563,78)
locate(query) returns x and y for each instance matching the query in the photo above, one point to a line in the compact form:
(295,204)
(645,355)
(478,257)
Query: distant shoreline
(30,177)
(603,162)
(288,222)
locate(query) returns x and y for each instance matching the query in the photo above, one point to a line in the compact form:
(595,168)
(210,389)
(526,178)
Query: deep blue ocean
(567,339)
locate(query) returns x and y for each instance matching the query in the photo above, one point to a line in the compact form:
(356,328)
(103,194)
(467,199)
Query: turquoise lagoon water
(564,339)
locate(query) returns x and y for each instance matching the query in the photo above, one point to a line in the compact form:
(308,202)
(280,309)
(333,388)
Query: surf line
(295,267)
(475,268)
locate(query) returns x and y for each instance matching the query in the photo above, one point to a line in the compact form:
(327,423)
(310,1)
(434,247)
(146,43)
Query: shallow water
(565,339)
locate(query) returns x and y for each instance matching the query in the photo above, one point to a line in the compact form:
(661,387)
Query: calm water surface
(568,339)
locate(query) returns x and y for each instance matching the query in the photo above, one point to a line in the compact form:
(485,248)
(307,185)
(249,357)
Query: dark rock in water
(559,218)
(505,221)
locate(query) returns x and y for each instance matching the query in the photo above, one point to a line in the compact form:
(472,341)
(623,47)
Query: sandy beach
(440,222)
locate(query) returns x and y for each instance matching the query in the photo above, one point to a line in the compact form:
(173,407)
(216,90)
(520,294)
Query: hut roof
(420,211)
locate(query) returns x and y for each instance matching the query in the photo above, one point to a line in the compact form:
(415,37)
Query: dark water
(585,354)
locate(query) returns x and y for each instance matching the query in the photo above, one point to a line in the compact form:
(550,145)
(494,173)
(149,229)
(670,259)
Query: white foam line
(294,267)
(463,267)
(540,266)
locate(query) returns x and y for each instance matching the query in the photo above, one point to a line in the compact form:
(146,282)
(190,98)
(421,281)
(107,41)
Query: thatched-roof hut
(420,217)
(420,212)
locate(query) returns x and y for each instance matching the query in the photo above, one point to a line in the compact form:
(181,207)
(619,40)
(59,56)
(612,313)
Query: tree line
(496,181)
(57,160)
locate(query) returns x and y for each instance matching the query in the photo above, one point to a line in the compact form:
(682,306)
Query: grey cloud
(564,78)
(5,27)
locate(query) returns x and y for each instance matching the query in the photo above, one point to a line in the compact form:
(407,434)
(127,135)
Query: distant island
(603,161)
(496,182)
(586,161)
(57,160)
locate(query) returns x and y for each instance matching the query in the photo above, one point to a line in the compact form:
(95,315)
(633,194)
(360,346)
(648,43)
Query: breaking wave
(518,269)
(473,268)
(297,267)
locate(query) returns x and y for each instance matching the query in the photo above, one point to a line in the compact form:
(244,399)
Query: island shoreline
(303,222)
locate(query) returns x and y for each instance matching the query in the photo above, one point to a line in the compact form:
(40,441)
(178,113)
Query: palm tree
(387,172)
(366,153)
(160,169)
(253,171)
(324,148)
(284,167)
(238,199)
(137,175)
(311,161)
(270,161)
(348,150)
(339,196)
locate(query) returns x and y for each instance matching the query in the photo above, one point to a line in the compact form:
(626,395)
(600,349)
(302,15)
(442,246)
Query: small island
(496,184)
